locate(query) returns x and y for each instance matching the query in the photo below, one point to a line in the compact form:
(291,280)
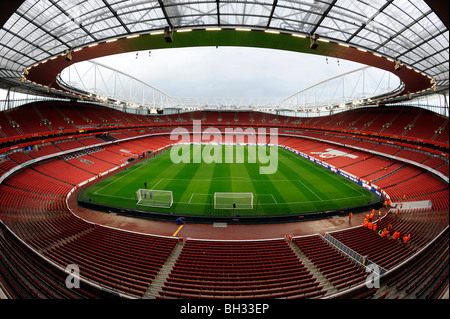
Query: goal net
(233,200)
(154,198)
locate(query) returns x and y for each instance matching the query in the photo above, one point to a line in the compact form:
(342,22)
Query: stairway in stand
(314,270)
(154,288)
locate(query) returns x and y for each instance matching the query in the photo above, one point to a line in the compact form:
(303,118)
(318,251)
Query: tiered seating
(416,188)
(91,164)
(444,169)
(378,119)
(380,250)
(344,161)
(210,117)
(109,157)
(89,141)
(440,202)
(271,118)
(244,118)
(350,141)
(403,118)
(6,165)
(19,157)
(28,207)
(337,268)
(347,121)
(33,181)
(282,140)
(91,116)
(40,219)
(32,205)
(44,150)
(156,142)
(443,136)
(243,269)
(135,147)
(434,162)
(140,146)
(426,125)
(114,259)
(6,128)
(109,118)
(131,119)
(62,171)
(227,117)
(334,138)
(315,146)
(385,171)
(428,272)
(405,173)
(124,135)
(413,156)
(422,224)
(318,122)
(339,120)
(29,121)
(113,148)
(122,261)
(300,144)
(366,144)
(51,112)
(69,145)
(367,115)
(17,201)
(386,149)
(25,275)
(368,166)
(355,120)
(75,116)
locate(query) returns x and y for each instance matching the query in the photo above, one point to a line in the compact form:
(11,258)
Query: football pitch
(297,187)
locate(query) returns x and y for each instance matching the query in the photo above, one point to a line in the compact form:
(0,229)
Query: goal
(233,200)
(154,198)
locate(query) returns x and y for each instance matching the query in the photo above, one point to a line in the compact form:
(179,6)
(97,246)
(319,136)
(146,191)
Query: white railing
(101,83)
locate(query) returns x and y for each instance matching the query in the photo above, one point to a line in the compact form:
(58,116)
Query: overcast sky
(228,71)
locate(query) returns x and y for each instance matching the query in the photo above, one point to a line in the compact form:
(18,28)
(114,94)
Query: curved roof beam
(46,73)
(106,84)
(354,88)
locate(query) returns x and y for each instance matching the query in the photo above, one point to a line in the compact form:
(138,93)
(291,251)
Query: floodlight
(313,42)
(168,34)
(68,55)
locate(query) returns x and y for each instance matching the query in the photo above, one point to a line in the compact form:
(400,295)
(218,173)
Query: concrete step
(158,282)
(314,270)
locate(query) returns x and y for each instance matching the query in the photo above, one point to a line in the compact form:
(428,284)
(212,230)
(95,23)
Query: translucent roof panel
(407,30)
(301,16)
(186,13)
(139,16)
(249,13)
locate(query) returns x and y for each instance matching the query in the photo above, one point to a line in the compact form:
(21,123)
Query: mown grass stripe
(298,186)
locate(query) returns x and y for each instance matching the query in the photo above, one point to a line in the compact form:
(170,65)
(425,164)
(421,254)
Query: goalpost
(154,198)
(233,200)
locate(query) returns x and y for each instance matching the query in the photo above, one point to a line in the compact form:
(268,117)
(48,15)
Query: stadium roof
(37,34)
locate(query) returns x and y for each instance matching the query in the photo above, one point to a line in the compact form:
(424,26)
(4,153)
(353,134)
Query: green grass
(298,187)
